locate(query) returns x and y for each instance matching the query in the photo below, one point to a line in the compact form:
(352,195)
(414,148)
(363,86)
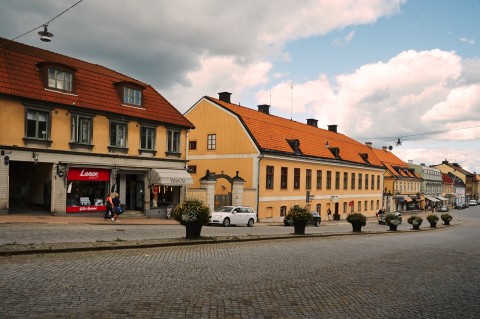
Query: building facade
(431,185)
(468,178)
(279,162)
(74,131)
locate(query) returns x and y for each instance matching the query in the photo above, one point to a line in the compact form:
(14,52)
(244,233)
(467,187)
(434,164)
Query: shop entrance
(134,192)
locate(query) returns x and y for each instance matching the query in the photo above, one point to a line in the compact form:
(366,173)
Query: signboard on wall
(88,174)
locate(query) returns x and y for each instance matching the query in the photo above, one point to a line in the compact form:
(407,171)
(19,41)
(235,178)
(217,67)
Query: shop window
(284,178)
(345,207)
(147,138)
(37,124)
(211,142)
(118,135)
(269,177)
(308,179)
(87,189)
(283,210)
(173,141)
(81,129)
(296,178)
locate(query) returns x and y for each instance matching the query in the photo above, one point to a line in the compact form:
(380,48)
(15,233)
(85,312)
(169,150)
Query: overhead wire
(42,25)
(418,134)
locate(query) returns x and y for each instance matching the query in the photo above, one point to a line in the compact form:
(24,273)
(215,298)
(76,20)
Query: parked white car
(234,215)
(472,202)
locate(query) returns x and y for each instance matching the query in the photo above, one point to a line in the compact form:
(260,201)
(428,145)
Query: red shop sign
(86,209)
(88,174)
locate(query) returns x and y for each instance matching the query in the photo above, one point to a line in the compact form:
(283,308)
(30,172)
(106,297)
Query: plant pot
(357,227)
(433,224)
(416,227)
(336,216)
(446,222)
(193,230)
(393,227)
(299,227)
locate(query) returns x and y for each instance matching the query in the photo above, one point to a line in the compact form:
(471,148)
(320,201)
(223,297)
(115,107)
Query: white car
(234,215)
(472,202)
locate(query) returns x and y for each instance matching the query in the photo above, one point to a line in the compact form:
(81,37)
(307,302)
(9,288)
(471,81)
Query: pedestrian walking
(109,207)
(329,213)
(117,210)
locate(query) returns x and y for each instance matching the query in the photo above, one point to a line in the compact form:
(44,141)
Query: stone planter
(393,227)
(357,227)
(416,227)
(433,224)
(299,227)
(193,230)
(446,222)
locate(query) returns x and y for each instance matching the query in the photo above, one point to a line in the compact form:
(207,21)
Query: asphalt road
(423,274)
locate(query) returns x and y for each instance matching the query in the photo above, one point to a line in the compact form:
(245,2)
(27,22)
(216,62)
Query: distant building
(469,179)
(251,157)
(72,131)
(431,185)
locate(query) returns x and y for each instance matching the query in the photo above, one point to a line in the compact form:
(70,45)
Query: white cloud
(467,40)
(346,39)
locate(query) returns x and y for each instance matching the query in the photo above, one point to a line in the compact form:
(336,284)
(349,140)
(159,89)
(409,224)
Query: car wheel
(226,222)
(250,222)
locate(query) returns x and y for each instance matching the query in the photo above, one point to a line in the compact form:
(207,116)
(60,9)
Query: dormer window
(59,80)
(132,96)
(295,145)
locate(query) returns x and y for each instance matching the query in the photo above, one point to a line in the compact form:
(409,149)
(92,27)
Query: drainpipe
(260,157)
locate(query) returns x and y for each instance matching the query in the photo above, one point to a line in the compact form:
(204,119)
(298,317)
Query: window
(132,96)
(81,129)
(345,207)
(269,180)
(329,180)
(38,124)
(371,204)
(365,205)
(118,134)
(192,145)
(308,179)
(378,203)
(173,141)
(319,208)
(284,178)
(373,183)
(345,180)
(366,181)
(360,178)
(147,138)
(60,80)
(319,179)
(283,210)
(359,206)
(212,142)
(296,178)
(352,184)
(337,180)
(192,169)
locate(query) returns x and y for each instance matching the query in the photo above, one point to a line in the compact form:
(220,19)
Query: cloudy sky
(379,69)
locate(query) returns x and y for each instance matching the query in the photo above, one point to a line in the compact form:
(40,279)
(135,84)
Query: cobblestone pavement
(422,274)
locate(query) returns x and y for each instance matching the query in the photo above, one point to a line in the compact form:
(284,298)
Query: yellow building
(73,131)
(279,163)
(402,189)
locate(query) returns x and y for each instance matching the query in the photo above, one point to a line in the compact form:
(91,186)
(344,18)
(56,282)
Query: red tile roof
(271,133)
(392,162)
(19,77)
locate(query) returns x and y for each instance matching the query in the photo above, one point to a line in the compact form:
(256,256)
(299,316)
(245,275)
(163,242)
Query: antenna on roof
(291,100)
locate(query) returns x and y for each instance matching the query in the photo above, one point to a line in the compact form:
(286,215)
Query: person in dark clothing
(116,208)
(109,210)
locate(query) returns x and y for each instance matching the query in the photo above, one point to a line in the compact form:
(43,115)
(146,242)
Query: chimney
(384,148)
(332,128)
(264,108)
(369,144)
(312,122)
(445,162)
(224,96)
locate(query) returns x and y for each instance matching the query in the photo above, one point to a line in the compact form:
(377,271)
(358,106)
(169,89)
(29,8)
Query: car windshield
(225,209)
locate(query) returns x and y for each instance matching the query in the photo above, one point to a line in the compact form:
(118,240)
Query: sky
(381,70)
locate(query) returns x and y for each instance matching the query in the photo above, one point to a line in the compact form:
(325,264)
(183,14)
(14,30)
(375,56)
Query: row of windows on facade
(211,143)
(356,181)
(63,80)
(407,187)
(38,127)
(374,205)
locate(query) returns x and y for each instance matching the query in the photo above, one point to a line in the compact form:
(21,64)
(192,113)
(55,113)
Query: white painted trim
(319,197)
(225,156)
(61,92)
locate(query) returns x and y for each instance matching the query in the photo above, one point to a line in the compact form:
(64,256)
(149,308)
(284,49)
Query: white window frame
(80,133)
(132,96)
(60,80)
(37,116)
(173,141)
(147,137)
(118,134)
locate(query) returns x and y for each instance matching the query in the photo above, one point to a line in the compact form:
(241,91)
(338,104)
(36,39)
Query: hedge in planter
(193,214)
(415,221)
(393,221)
(300,216)
(446,218)
(357,220)
(432,219)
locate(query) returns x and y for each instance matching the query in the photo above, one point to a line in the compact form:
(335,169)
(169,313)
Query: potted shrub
(357,220)
(446,218)
(336,216)
(393,220)
(300,216)
(415,221)
(192,214)
(432,219)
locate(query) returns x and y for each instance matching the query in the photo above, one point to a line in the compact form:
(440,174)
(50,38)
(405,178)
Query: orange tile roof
(271,132)
(390,161)
(95,89)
